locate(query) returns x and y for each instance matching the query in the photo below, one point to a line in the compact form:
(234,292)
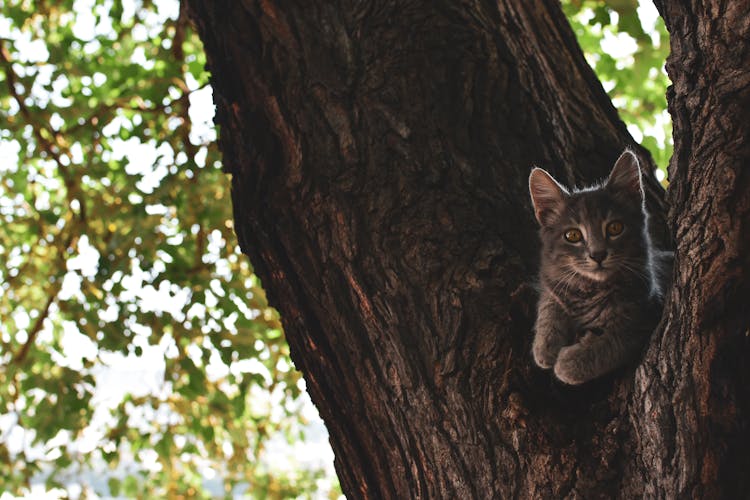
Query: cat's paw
(544,354)
(571,367)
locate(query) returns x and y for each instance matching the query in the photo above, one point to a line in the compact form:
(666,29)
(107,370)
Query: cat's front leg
(551,332)
(596,355)
(576,364)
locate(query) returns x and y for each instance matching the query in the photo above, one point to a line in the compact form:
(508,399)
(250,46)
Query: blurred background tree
(139,355)
(626,43)
(118,250)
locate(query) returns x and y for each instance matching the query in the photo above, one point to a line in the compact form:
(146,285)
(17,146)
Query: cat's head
(597,232)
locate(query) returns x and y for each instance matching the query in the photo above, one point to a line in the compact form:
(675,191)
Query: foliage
(626,43)
(117,241)
(118,250)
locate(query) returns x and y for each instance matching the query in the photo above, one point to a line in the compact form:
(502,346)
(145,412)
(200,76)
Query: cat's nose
(598,256)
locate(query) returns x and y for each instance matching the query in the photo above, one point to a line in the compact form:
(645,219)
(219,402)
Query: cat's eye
(573,235)
(615,228)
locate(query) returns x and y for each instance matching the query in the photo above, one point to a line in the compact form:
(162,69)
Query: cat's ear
(547,196)
(625,178)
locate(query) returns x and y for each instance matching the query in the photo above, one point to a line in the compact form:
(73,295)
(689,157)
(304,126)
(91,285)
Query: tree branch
(38,324)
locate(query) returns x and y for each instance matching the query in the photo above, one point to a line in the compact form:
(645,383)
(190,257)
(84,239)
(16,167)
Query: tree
(379,156)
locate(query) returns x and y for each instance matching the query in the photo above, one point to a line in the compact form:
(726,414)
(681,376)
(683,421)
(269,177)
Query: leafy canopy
(118,248)
(626,43)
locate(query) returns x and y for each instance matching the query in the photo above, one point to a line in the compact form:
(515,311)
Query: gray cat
(600,291)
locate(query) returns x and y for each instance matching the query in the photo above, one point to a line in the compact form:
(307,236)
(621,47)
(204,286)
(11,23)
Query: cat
(601,279)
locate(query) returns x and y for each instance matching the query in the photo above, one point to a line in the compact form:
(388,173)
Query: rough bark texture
(692,402)
(379,154)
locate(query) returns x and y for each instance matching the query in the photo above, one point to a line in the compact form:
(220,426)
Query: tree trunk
(691,404)
(379,156)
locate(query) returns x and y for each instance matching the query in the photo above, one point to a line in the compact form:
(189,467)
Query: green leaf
(114,486)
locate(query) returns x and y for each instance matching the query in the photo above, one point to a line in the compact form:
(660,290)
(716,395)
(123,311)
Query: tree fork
(379,156)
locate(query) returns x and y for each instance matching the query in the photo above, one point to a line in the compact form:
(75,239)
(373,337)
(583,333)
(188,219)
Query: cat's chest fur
(601,306)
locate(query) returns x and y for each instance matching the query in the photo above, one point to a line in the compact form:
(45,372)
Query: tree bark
(379,154)
(691,405)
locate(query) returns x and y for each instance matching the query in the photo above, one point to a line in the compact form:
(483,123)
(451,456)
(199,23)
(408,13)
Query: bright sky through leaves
(139,354)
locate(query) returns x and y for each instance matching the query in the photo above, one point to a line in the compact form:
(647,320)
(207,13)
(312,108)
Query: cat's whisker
(634,267)
(569,281)
(567,278)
